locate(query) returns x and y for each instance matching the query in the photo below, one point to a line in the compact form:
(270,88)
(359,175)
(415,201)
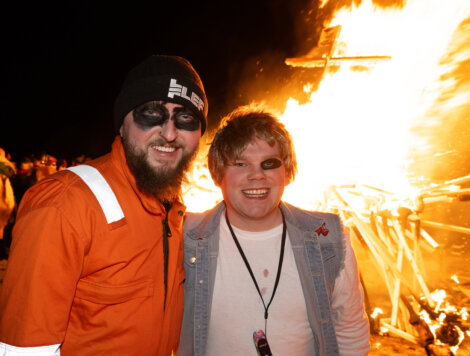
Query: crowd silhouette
(16,178)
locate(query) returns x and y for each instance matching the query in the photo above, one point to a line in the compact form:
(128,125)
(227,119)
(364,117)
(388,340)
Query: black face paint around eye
(149,115)
(152,114)
(271,163)
(185,120)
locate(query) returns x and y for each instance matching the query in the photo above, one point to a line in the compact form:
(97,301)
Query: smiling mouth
(166,149)
(256,193)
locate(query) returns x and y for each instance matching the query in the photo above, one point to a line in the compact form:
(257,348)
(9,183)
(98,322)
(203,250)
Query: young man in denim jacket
(262,276)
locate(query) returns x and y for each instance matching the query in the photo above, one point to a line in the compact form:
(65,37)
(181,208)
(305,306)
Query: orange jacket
(96,288)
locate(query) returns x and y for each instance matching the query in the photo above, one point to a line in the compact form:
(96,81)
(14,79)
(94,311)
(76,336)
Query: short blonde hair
(238,129)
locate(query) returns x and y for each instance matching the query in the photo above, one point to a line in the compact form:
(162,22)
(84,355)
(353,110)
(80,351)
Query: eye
(150,112)
(185,120)
(185,116)
(271,163)
(149,109)
(149,115)
(239,164)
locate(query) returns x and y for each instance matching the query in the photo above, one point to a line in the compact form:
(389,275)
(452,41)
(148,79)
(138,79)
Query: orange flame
(357,126)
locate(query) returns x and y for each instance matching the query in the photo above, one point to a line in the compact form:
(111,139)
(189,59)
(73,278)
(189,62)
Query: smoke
(289,29)
(264,76)
(446,130)
(446,127)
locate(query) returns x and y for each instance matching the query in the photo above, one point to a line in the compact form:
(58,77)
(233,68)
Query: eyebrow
(153,104)
(241,157)
(183,109)
(176,110)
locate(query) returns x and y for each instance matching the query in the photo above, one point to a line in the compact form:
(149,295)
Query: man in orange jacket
(95,265)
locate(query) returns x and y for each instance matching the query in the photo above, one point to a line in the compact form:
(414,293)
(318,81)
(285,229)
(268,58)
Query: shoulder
(308,218)
(52,190)
(65,191)
(192,220)
(202,224)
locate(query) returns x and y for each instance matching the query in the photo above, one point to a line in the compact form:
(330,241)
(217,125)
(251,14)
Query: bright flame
(443,309)
(201,193)
(438,296)
(383,330)
(357,127)
(464,313)
(376,312)
(455,278)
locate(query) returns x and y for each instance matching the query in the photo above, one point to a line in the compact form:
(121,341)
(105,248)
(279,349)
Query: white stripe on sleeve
(48,350)
(102,191)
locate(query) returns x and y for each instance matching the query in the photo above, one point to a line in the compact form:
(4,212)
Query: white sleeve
(49,350)
(347,306)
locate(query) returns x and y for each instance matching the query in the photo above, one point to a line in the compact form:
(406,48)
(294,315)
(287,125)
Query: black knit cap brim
(166,78)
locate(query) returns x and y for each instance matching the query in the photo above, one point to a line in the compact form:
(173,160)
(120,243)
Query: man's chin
(163,165)
(160,177)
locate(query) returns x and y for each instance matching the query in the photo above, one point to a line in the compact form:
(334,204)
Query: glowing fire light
(464,313)
(438,296)
(376,312)
(201,193)
(357,125)
(444,311)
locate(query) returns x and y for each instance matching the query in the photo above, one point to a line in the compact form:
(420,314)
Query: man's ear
(288,179)
(121,129)
(218,184)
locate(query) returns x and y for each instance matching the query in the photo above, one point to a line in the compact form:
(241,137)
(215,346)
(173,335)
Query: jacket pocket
(331,265)
(113,294)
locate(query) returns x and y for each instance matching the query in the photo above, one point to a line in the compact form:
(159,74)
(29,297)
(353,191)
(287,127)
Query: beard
(164,182)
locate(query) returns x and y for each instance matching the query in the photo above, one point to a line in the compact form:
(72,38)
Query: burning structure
(369,148)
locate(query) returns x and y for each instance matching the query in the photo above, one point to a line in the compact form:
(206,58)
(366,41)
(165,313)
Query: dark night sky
(63,63)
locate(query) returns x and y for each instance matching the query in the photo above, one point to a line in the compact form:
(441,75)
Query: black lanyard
(279,267)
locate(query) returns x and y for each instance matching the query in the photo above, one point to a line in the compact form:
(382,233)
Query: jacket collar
(301,219)
(204,225)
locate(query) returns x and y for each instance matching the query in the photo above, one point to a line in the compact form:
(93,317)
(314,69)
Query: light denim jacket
(319,259)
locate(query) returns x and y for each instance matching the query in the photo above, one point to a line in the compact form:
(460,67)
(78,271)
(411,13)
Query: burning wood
(361,127)
(393,233)
(322,56)
(425,335)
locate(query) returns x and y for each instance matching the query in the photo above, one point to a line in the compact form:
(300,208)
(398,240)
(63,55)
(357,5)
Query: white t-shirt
(237,310)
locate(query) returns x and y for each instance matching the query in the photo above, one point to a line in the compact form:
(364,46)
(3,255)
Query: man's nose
(256,172)
(169,132)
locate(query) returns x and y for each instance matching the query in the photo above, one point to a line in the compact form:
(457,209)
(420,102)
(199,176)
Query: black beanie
(167,78)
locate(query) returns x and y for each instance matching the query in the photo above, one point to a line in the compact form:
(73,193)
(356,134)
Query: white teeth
(164,148)
(255,192)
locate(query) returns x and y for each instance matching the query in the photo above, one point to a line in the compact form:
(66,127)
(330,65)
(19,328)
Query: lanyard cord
(279,268)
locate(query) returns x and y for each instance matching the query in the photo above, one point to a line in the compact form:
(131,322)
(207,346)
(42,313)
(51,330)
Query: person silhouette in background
(7,196)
